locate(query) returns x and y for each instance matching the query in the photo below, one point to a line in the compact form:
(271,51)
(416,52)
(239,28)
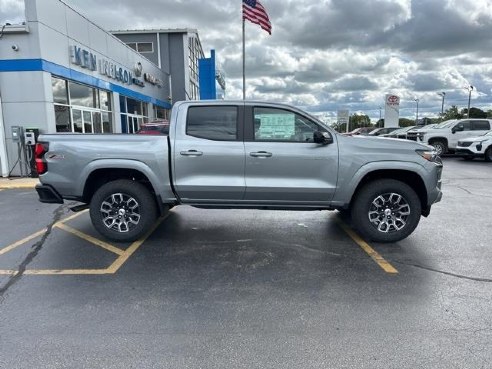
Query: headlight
(429,155)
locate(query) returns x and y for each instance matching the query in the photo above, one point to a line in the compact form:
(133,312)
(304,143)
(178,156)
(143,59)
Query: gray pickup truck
(240,155)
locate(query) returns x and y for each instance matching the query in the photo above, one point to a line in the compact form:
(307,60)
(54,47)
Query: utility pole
(470,89)
(442,94)
(417,117)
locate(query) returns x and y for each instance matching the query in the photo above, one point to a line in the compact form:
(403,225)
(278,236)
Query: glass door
(133,123)
(83,120)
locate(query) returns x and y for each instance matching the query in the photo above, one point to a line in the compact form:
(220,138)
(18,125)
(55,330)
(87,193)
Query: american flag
(256,13)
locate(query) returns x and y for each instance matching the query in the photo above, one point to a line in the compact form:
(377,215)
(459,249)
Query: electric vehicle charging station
(26,139)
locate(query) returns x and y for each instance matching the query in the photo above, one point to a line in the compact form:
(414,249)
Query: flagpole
(244,65)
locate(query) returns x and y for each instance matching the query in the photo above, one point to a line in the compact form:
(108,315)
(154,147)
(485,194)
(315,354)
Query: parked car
(382,131)
(158,127)
(399,133)
(214,158)
(476,147)
(445,136)
(413,133)
(359,131)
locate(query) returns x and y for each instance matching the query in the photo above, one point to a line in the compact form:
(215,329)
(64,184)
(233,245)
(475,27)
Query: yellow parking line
(12,272)
(113,268)
(385,265)
(8,272)
(12,246)
(20,242)
(65,271)
(90,239)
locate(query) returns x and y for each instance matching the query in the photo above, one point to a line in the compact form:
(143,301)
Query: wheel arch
(411,178)
(438,138)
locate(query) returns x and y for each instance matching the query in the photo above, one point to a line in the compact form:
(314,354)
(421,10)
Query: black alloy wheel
(123,210)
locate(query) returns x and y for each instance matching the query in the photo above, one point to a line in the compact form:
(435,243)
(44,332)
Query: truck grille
(464,144)
(412,136)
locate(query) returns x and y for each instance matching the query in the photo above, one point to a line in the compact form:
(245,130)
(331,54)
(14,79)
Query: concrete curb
(16,183)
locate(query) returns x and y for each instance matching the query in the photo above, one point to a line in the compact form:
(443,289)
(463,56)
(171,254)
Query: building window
(133,114)
(81,108)
(142,47)
(161,113)
(195,52)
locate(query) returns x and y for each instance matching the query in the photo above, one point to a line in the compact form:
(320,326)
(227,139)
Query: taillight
(39,151)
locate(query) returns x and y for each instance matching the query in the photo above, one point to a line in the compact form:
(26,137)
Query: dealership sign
(83,58)
(88,60)
(391,110)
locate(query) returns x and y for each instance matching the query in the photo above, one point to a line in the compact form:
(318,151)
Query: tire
(488,154)
(440,146)
(344,213)
(123,210)
(370,214)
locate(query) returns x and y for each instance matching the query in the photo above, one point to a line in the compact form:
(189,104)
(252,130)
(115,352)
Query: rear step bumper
(48,194)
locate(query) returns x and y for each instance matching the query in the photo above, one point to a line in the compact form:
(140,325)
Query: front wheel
(440,146)
(488,154)
(123,210)
(386,210)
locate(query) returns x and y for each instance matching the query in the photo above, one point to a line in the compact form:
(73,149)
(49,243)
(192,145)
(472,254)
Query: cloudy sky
(329,54)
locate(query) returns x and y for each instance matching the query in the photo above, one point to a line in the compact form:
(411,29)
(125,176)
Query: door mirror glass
(323,138)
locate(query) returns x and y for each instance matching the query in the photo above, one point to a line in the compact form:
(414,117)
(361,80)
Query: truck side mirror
(323,138)
(458,128)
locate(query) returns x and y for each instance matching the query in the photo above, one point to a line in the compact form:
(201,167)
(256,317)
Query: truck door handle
(191,153)
(260,154)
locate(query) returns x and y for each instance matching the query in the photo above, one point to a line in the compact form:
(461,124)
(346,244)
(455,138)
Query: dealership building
(60,72)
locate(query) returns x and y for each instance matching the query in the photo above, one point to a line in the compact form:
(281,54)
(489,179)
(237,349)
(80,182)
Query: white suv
(445,136)
(474,147)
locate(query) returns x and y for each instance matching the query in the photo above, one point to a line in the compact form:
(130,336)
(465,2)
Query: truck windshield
(445,124)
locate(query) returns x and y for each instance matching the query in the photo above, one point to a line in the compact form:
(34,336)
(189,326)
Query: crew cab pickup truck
(445,136)
(237,155)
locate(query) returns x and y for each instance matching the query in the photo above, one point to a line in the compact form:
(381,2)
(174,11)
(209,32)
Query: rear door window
(480,125)
(217,123)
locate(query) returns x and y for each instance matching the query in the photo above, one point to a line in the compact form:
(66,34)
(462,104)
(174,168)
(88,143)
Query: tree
(359,120)
(476,113)
(404,122)
(380,123)
(451,113)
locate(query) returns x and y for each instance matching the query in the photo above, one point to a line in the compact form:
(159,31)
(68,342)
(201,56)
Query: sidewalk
(16,182)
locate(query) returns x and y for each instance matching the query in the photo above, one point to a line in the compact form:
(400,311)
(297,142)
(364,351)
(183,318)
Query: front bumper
(48,194)
(466,152)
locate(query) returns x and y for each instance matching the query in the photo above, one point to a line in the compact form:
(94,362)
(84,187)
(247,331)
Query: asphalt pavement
(249,289)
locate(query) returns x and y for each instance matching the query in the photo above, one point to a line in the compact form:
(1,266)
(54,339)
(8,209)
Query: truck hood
(384,144)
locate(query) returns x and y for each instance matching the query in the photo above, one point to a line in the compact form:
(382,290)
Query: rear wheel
(488,154)
(386,210)
(123,210)
(440,146)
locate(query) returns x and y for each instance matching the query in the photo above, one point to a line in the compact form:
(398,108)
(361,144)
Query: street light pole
(417,117)
(442,94)
(470,89)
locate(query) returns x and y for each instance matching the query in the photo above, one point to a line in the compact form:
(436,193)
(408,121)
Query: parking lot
(248,288)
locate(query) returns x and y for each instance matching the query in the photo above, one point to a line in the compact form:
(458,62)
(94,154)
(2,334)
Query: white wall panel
(23,87)
(54,46)
(52,13)
(77,27)
(97,39)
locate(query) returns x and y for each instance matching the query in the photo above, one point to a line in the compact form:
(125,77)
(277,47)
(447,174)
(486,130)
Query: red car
(158,127)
